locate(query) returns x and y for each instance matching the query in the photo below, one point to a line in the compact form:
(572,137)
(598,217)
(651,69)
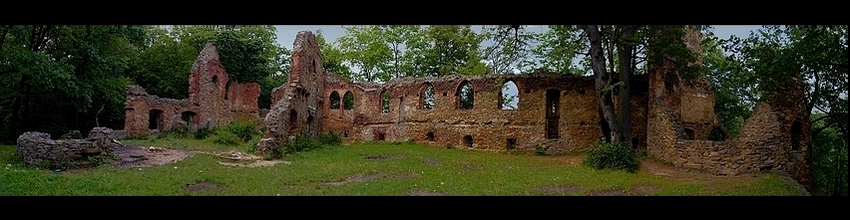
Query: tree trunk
(624,52)
(602,80)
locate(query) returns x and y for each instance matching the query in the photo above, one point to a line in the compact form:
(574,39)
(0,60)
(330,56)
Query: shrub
(243,130)
(302,144)
(226,138)
(611,156)
(203,133)
(331,138)
(539,150)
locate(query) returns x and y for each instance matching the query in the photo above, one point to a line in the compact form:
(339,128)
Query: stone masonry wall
(773,138)
(489,126)
(37,149)
(214,100)
(296,105)
(672,117)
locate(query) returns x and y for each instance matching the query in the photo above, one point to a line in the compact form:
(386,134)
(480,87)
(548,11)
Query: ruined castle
(672,119)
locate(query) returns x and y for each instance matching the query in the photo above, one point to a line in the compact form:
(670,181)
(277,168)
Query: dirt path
(131,156)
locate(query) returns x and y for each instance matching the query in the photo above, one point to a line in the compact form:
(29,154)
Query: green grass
(406,168)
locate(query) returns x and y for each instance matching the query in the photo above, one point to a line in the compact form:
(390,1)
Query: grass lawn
(377,169)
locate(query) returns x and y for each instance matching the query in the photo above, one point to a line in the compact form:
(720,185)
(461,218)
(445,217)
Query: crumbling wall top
(208,53)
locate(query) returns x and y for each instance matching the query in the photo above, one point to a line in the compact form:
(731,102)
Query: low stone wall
(37,149)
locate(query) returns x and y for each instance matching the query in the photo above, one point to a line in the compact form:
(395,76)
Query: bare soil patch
(381,156)
(608,192)
(241,159)
(431,162)
(643,190)
(131,156)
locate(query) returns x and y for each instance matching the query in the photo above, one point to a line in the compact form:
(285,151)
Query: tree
(734,96)
(618,51)
(61,76)
(817,55)
(333,58)
(558,49)
(447,50)
(509,46)
(365,49)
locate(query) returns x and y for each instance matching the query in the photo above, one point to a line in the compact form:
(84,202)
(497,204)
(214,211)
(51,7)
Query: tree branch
(817,131)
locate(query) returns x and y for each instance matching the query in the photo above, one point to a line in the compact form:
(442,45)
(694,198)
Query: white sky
(286,33)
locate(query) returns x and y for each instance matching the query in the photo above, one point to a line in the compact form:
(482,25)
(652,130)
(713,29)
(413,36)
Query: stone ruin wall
(38,149)
(672,117)
(214,100)
(487,123)
(296,106)
(768,140)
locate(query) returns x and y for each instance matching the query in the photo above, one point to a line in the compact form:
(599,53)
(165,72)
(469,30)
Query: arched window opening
(293,119)
(428,97)
(385,102)
(553,117)
(467,141)
(335,101)
(796,135)
(465,95)
(429,136)
(348,101)
(509,96)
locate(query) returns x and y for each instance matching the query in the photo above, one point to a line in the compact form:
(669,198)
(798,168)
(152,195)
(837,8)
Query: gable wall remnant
(681,117)
(214,100)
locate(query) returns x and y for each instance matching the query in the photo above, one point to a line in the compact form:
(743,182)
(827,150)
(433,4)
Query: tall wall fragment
(214,100)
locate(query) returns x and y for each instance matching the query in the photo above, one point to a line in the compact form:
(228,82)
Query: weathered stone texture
(672,117)
(37,149)
(214,100)
(296,106)
(681,117)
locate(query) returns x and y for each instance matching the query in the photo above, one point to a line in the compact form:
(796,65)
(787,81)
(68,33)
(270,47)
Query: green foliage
(225,137)
(559,46)
(58,76)
(829,160)
(508,46)
(236,133)
(331,138)
(203,133)
(243,57)
(613,156)
(333,59)
(539,150)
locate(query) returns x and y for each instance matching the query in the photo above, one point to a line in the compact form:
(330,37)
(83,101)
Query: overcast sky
(286,33)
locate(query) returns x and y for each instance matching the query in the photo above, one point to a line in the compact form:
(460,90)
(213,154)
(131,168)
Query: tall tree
(558,49)
(62,76)
(333,59)
(816,54)
(617,53)
(366,50)
(507,46)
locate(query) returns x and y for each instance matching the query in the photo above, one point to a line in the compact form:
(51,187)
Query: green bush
(226,138)
(244,130)
(611,156)
(302,144)
(203,133)
(331,138)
